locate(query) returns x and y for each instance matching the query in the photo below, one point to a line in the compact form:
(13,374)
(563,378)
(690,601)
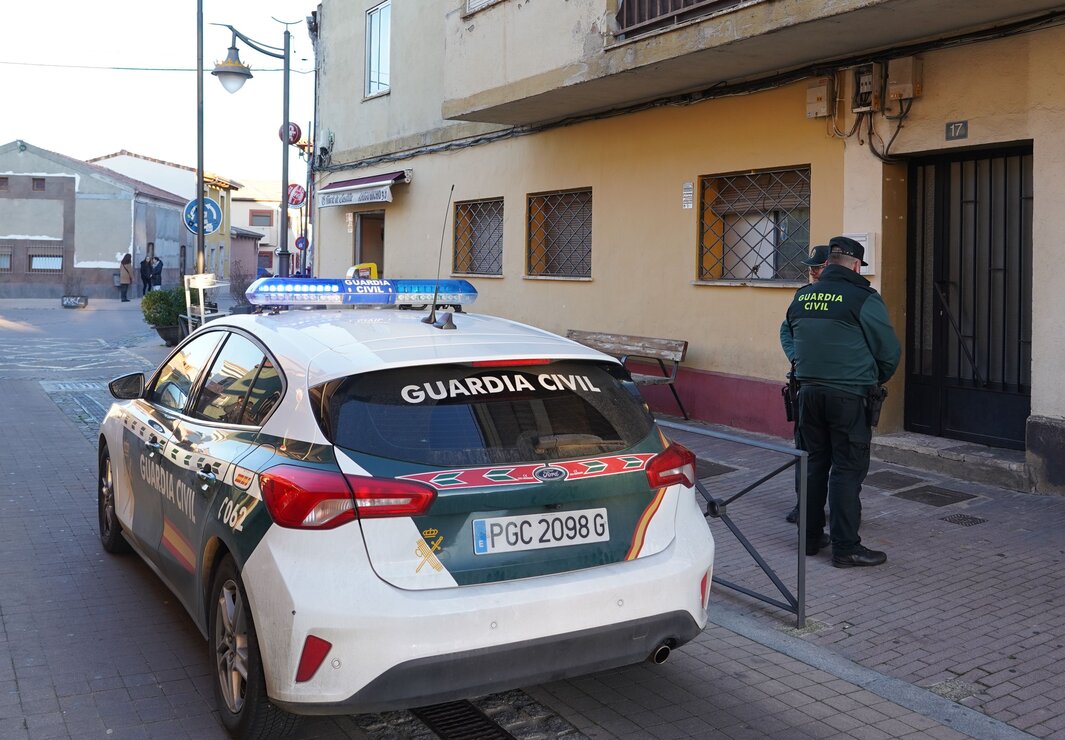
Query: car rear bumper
(459,675)
(392,647)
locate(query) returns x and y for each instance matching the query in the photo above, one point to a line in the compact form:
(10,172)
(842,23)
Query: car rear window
(455,415)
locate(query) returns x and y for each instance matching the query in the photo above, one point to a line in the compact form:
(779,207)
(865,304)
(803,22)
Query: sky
(83,112)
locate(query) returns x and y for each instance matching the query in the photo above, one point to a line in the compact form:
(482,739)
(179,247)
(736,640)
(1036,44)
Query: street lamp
(233,73)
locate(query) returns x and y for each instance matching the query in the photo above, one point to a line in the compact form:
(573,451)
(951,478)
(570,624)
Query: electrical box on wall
(868,84)
(904,78)
(868,241)
(818,97)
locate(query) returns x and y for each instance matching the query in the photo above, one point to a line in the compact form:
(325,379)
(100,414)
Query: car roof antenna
(431,318)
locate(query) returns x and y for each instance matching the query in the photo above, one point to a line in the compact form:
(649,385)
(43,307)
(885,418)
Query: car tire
(110,528)
(240,685)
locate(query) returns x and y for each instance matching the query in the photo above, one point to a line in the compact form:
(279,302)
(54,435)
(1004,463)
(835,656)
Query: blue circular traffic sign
(214,216)
(301,243)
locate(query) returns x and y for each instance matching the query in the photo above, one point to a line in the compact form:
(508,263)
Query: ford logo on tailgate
(549,473)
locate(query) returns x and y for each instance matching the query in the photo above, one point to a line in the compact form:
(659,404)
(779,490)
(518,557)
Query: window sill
(466,275)
(376,95)
(557,278)
(792,284)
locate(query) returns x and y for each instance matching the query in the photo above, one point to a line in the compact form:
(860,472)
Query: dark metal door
(969,327)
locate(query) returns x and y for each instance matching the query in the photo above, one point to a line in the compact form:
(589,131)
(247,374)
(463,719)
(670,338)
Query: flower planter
(74,301)
(171,335)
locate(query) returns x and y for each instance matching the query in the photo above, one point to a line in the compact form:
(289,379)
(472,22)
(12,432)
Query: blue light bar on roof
(275,291)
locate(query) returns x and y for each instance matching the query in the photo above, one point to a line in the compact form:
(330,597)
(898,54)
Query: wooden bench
(625,346)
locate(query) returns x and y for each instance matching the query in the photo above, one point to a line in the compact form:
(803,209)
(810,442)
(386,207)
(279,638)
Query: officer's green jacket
(838,334)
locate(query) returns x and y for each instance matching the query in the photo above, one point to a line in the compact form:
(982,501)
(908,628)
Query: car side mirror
(127,387)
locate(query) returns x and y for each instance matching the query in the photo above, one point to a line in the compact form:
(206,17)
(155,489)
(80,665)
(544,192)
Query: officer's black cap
(818,257)
(846,245)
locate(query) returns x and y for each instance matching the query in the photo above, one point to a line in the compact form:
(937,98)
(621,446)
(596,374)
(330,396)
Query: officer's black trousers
(836,433)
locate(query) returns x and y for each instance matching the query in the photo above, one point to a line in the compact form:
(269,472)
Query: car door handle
(208,477)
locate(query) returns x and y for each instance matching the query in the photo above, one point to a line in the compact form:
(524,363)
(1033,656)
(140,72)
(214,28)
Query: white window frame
(378,49)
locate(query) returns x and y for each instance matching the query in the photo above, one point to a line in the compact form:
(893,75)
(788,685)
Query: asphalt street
(961,634)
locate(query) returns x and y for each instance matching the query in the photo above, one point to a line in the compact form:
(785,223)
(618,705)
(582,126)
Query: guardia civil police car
(364,510)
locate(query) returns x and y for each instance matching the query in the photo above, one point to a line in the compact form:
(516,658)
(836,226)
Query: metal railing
(718,509)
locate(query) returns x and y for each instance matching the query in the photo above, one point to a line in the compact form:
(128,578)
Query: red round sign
(297,195)
(294,133)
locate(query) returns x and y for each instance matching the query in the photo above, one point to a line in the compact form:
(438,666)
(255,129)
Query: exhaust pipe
(661,654)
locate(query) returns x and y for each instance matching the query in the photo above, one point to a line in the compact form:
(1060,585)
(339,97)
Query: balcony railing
(641,16)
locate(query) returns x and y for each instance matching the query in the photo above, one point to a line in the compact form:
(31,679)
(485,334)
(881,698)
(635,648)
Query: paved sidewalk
(971,603)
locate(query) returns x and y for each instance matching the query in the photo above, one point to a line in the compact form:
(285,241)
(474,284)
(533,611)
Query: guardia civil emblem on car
(363,511)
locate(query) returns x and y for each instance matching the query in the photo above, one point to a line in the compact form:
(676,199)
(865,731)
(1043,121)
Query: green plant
(162,307)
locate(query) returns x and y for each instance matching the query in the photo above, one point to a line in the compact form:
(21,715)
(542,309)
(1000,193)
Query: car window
(466,415)
(226,385)
(176,379)
(264,395)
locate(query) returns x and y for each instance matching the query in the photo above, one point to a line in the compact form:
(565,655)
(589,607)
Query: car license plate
(537,531)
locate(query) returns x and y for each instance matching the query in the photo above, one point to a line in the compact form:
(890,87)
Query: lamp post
(233,73)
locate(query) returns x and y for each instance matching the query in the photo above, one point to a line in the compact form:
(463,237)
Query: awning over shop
(369,189)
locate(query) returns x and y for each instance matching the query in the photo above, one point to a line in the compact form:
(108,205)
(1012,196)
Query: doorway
(969,327)
(370,240)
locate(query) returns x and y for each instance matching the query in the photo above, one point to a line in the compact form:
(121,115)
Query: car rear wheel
(240,685)
(110,529)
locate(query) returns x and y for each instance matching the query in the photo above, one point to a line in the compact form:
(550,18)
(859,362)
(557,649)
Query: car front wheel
(240,685)
(110,529)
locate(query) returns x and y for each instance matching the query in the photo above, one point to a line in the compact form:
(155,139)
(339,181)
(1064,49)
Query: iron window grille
(5,259)
(755,226)
(38,184)
(560,234)
(479,237)
(643,16)
(44,259)
(3,183)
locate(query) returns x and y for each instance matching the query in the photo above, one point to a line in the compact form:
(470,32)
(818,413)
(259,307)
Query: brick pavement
(972,608)
(95,646)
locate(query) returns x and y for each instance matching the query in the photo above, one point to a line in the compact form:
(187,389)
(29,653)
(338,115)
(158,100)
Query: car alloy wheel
(240,687)
(110,530)
(231,646)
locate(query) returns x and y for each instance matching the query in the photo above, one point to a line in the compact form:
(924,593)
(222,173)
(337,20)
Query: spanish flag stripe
(641,525)
(176,544)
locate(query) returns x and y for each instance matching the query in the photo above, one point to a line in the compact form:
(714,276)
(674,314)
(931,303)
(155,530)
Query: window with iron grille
(46,262)
(38,184)
(560,234)
(755,226)
(479,237)
(3,183)
(5,259)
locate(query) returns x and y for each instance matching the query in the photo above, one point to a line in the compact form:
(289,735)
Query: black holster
(790,394)
(873,403)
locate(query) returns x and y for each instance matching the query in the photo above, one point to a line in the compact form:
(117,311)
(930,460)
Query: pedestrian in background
(844,348)
(146,275)
(125,277)
(157,272)
(815,263)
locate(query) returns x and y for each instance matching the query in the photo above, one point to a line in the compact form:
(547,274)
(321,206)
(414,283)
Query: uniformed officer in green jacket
(838,333)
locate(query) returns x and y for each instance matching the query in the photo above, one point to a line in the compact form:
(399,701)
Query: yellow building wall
(644,244)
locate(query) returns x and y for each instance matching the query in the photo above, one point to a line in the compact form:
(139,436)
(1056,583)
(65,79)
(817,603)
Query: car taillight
(675,464)
(305,498)
(379,497)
